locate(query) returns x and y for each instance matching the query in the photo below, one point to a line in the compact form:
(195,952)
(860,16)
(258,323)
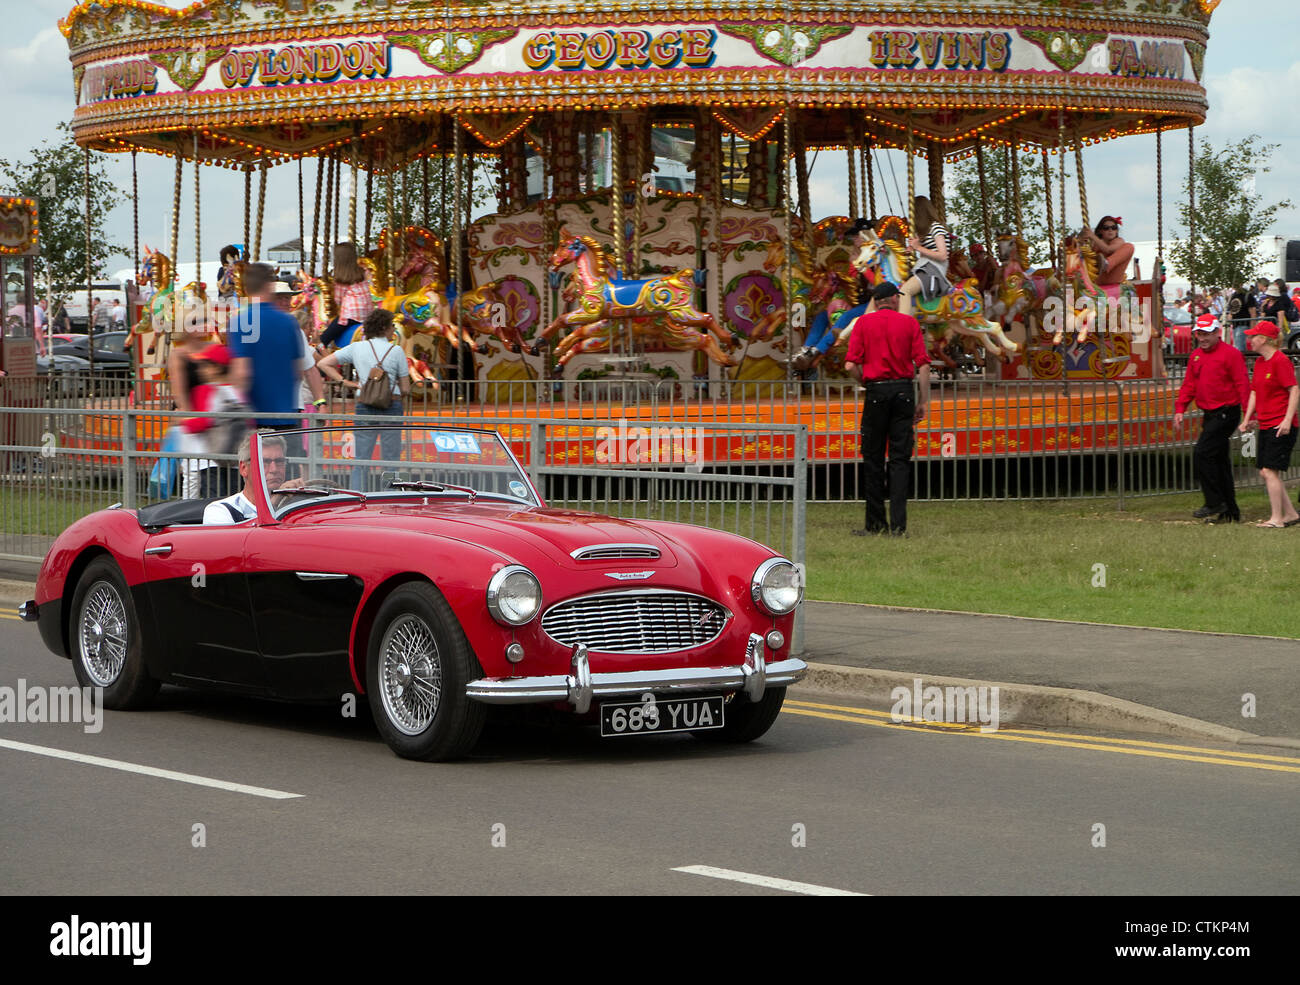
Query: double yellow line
(1128,747)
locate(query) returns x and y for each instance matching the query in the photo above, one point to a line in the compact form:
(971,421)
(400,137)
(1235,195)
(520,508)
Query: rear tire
(417,667)
(747,720)
(104,633)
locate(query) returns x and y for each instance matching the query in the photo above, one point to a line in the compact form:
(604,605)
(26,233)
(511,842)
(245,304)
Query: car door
(303,601)
(198,592)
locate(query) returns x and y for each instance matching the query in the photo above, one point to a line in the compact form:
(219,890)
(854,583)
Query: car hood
(523,533)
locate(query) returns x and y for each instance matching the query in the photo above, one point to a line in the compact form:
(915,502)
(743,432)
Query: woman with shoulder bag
(381,383)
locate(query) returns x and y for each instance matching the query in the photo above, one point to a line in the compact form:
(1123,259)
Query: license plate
(660,715)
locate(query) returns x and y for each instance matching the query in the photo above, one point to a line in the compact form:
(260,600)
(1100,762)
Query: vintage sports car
(433,580)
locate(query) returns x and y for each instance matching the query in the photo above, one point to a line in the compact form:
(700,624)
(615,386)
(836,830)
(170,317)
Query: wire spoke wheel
(103,634)
(410,676)
(418,665)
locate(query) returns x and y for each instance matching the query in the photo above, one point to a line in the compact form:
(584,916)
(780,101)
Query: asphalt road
(880,808)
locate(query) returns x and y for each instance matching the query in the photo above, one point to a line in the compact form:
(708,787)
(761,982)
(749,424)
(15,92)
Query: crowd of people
(1238,308)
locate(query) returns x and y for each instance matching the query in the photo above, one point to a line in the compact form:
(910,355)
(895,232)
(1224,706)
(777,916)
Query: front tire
(417,667)
(106,640)
(747,720)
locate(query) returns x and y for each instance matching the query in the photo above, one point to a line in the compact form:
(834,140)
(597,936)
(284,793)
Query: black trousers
(1213,462)
(888,415)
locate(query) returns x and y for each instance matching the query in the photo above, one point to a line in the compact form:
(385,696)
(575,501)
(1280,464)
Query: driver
(239,507)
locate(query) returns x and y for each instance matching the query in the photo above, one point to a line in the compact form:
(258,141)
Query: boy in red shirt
(1274,396)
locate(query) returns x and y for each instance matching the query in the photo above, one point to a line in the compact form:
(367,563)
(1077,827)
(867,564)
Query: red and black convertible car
(432,579)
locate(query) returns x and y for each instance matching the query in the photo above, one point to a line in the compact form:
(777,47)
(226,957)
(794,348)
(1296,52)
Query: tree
(408,196)
(1230,215)
(54,174)
(965,212)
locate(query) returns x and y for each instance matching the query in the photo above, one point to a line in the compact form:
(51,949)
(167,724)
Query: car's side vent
(614,552)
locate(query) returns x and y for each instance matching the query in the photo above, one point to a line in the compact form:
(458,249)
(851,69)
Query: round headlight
(514,595)
(776,586)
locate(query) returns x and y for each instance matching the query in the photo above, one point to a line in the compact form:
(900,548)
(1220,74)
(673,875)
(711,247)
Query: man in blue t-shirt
(268,350)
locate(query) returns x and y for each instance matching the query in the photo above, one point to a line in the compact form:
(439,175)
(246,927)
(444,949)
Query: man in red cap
(1216,381)
(885,351)
(1274,398)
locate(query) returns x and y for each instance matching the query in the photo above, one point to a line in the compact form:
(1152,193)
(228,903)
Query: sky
(1248,77)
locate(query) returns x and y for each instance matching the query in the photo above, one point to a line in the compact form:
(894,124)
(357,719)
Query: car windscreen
(390,462)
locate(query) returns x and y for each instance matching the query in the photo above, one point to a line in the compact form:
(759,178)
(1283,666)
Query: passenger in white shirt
(241,503)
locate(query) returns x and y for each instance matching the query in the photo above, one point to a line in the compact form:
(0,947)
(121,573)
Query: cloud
(1241,101)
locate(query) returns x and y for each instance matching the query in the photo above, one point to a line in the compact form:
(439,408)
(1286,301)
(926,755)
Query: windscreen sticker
(456,444)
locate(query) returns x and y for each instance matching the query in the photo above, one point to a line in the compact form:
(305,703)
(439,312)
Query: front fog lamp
(514,595)
(776,587)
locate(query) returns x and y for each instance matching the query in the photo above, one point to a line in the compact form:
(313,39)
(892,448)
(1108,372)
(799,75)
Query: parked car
(1178,330)
(111,353)
(437,583)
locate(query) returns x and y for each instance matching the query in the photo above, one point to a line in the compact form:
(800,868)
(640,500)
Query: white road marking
(117,764)
(804,888)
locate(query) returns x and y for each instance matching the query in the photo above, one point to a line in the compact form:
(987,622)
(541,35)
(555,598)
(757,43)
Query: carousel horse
(317,296)
(1020,294)
(1089,301)
(827,290)
(960,311)
(478,309)
(601,297)
(158,315)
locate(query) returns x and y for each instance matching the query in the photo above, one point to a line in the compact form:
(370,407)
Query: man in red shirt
(885,350)
(1274,397)
(1216,381)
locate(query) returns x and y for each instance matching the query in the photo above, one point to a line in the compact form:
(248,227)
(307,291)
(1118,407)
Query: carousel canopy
(238,81)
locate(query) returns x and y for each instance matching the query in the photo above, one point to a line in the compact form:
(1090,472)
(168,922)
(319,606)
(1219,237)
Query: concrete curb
(1033,704)
(1018,704)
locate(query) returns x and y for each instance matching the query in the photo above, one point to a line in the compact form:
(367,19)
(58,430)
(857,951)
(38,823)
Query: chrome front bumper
(578,688)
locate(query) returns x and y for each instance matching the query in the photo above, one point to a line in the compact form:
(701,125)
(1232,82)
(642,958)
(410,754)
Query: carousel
(653,225)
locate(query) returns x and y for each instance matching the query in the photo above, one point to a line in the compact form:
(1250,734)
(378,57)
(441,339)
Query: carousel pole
(787,278)
(1060,149)
(369,196)
(850,139)
(911,177)
(302,240)
(261,209)
(642,131)
(457,257)
(387,233)
(616,203)
(442,194)
(315,215)
(327,245)
(1160,200)
(1051,228)
(934,168)
(984,194)
(424,192)
(469,185)
(352,190)
(1083,187)
(198,247)
(338,196)
(176,213)
(868,177)
(1015,191)
(248,211)
(798,149)
(135,220)
(90,275)
(1191,217)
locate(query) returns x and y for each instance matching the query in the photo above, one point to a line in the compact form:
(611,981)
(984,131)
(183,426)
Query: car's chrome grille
(613,552)
(636,622)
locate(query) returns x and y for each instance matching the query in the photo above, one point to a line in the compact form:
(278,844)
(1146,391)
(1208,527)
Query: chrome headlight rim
(494,586)
(757,585)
